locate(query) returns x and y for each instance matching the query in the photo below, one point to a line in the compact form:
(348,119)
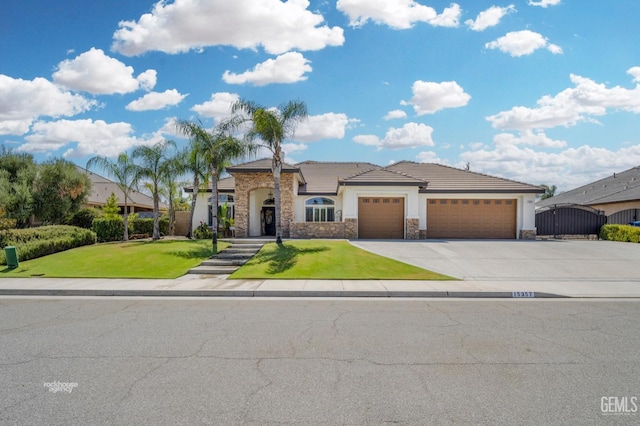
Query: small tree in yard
(111,209)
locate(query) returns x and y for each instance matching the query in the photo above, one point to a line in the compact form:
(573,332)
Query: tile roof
(323,178)
(383,177)
(619,187)
(101,189)
(446,179)
(262,165)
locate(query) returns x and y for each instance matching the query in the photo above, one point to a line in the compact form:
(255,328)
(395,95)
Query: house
(616,196)
(101,189)
(405,200)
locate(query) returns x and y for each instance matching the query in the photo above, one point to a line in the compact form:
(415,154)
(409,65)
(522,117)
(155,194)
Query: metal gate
(624,217)
(572,219)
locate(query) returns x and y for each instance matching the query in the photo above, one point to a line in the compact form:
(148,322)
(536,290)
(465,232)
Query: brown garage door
(381,217)
(462,218)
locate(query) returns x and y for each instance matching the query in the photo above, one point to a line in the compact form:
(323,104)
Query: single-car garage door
(381,217)
(468,218)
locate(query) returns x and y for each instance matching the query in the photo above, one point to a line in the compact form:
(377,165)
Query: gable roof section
(446,179)
(383,177)
(262,165)
(619,187)
(101,189)
(323,178)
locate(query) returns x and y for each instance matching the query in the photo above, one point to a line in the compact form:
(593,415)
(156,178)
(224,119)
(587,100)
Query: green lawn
(133,259)
(326,259)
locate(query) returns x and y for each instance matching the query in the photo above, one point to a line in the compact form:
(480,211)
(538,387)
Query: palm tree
(549,191)
(172,168)
(272,127)
(195,161)
(153,167)
(218,147)
(126,174)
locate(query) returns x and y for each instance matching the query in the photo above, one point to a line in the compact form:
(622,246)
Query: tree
(154,168)
(126,174)
(18,173)
(195,161)
(272,127)
(219,147)
(549,191)
(172,168)
(111,209)
(59,191)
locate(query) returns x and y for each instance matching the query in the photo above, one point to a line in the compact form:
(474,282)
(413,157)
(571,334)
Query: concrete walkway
(207,286)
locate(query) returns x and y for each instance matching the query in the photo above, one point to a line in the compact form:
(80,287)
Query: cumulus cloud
(156,100)
(184,25)
(99,74)
(400,14)
(23,101)
(430,97)
(396,113)
(489,18)
(528,137)
(583,102)
(430,157)
(544,3)
(324,126)
(410,135)
(521,43)
(91,137)
(219,107)
(567,169)
(287,68)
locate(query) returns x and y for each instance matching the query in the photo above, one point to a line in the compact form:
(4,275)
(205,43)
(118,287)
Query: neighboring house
(405,200)
(616,196)
(101,189)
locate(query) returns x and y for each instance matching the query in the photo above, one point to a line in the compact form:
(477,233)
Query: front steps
(227,261)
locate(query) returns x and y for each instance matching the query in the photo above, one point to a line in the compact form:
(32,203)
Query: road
(192,361)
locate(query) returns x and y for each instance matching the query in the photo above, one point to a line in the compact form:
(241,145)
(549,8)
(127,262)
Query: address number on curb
(520,294)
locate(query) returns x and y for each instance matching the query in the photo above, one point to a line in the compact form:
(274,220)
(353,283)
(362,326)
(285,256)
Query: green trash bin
(12,256)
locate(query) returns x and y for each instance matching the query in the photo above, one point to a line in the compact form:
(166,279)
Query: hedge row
(112,229)
(37,242)
(624,233)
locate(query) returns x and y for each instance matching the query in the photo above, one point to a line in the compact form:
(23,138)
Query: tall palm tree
(272,127)
(218,147)
(154,168)
(126,173)
(173,168)
(195,161)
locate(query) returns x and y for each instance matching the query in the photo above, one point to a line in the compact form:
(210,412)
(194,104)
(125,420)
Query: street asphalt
(553,268)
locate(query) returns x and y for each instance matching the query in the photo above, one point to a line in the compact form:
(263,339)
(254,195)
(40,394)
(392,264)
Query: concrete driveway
(517,260)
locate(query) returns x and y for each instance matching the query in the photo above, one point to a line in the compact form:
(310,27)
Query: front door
(268,221)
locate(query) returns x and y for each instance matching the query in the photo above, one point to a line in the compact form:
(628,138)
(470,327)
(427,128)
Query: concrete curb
(277,293)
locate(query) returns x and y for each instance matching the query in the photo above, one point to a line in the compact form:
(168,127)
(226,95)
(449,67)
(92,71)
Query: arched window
(320,209)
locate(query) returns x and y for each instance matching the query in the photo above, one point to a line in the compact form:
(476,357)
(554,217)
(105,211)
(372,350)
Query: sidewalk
(207,286)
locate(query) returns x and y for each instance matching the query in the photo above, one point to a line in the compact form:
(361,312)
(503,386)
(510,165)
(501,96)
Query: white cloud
(544,3)
(184,25)
(219,107)
(324,126)
(520,43)
(635,73)
(287,68)
(22,101)
(410,135)
(430,97)
(156,100)
(291,148)
(399,14)
(92,137)
(99,74)
(489,18)
(567,169)
(586,100)
(396,113)
(430,157)
(528,137)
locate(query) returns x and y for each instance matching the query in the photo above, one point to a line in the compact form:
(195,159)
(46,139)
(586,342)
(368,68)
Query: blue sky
(541,91)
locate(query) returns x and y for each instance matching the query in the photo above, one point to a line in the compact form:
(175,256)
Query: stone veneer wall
(413,232)
(422,235)
(528,234)
(318,230)
(247,182)
(351,229)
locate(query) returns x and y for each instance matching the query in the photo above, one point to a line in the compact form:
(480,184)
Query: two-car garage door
(470,218)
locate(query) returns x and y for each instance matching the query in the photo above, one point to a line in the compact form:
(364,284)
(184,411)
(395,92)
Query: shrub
(202,232)
(624,233)
(84,217)
(145,226)
(38,242)
(108,229)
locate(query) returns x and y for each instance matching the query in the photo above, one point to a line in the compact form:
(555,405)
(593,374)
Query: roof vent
(604,185)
